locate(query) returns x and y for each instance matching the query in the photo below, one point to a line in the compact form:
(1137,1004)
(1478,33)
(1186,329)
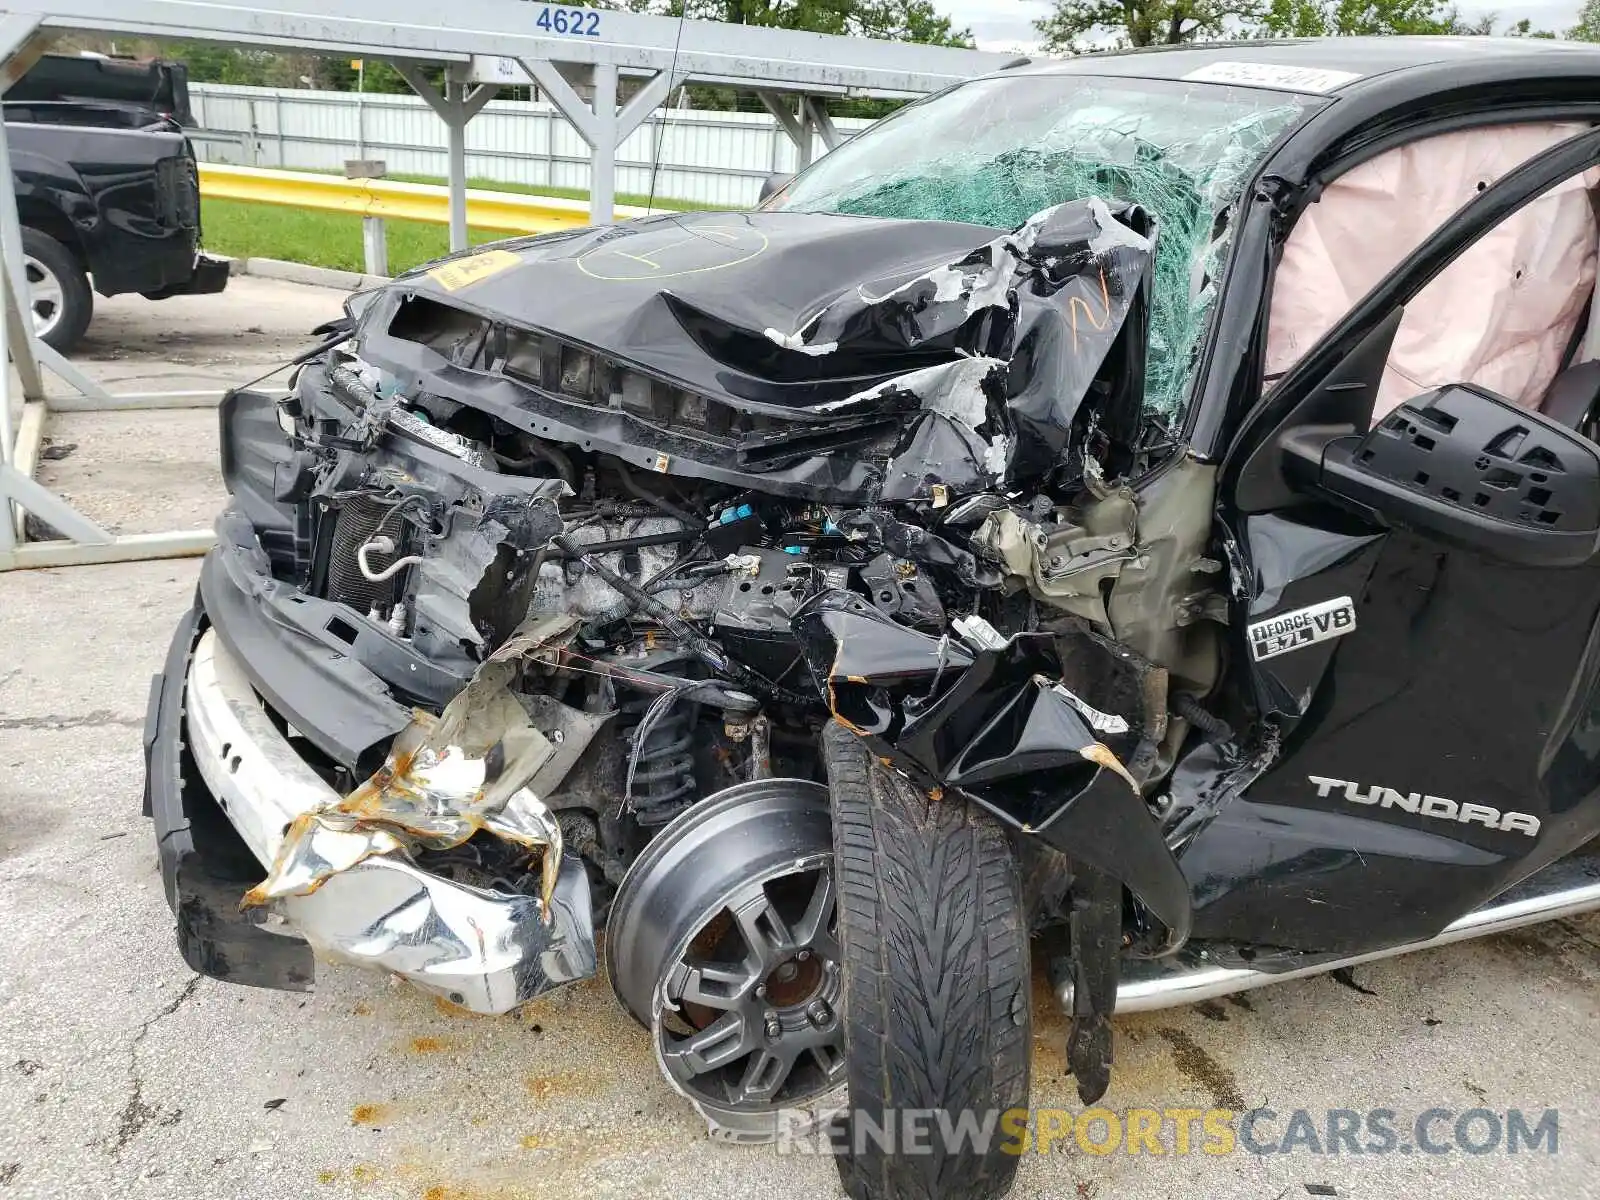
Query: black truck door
(1432,677)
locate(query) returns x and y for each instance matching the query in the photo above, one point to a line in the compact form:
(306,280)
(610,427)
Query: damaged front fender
(996,719)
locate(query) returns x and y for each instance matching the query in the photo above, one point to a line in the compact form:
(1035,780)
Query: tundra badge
(1428,806)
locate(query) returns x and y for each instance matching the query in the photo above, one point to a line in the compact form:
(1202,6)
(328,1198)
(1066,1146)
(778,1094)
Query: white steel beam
(644,102)
(519,29)
(130,547)
(457,105)
(822,122)
(50,508)
(561,93)
(603,161)
(777,104)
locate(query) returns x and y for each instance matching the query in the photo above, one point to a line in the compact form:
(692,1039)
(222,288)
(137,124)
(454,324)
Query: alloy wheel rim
(46,296)
(751,1006)
(723,943)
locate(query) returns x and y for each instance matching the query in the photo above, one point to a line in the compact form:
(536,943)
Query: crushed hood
(961,354)
(691,296)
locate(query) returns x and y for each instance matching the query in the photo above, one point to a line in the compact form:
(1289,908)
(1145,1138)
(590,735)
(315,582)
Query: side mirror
(773,184)
(1466,466)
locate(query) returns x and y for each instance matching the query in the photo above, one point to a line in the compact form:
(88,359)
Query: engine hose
(644,539)
(640,492)
(548,455)
(702,647)
(383,545)
(348,387)
(1212,726)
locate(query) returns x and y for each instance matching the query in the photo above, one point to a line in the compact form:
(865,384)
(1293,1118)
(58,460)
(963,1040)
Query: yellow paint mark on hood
(474,268)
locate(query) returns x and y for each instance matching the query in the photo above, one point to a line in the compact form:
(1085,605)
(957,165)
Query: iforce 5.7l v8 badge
(1301,628)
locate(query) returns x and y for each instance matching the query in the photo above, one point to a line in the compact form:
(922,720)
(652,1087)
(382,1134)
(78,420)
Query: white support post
(454,95)
(645,101)
(817,109)
(799,128)
(459,103)
(19,309)
(602,127)
(20,48)
(11,523)
(603,152)
(25,455)
(555,86)
(375,246)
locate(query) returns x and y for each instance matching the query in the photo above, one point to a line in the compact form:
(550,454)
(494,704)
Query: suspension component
(664,781)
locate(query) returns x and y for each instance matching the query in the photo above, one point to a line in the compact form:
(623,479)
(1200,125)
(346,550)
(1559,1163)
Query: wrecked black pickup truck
(1133,515)
(107,188)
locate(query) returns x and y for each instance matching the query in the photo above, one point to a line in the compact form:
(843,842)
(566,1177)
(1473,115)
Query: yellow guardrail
(507,212)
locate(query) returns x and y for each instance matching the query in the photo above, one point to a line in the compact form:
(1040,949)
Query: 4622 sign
(571,22)
(1301,628)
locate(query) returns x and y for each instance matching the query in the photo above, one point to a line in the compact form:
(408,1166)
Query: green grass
(561,193)
(244,230)
(637,199)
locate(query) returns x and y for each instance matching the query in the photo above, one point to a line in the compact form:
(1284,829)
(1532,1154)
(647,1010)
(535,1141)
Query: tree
(1588,27)
(909,21)
(1079,24)
(888,20)
(1355,18)
(1524,28)
(1076,25)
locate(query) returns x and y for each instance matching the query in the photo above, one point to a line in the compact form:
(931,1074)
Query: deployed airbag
(1501,316)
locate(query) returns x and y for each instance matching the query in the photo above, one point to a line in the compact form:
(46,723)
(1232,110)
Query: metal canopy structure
(483,45)
(490,43)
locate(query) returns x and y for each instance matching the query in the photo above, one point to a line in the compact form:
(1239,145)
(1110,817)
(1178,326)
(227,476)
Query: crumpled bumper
(486,951)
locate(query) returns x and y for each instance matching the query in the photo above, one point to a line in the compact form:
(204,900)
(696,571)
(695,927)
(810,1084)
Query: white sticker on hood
(1273,75)
(1301,628)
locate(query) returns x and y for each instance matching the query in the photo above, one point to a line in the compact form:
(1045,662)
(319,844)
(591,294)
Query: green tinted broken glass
(997,151)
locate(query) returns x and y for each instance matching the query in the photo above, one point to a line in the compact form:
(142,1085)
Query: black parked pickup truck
(106,187)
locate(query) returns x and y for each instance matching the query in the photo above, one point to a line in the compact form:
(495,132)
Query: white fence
(718,158)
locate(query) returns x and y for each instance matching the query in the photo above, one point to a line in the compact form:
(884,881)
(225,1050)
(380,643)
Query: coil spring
(664,782)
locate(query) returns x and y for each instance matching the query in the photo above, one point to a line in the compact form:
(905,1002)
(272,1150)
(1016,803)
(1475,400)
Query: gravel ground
(122,1074)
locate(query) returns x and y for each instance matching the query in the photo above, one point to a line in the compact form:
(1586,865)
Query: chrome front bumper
(486,951)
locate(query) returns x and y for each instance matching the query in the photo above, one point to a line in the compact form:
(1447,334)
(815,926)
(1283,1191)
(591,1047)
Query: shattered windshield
(996,151)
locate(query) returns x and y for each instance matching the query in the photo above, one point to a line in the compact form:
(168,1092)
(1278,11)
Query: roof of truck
(1321,65)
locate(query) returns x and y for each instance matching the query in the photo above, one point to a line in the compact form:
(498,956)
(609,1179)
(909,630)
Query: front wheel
(934,950)
(60,300)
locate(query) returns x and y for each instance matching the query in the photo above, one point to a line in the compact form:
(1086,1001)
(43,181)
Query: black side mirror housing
(773,184)
(1467,466)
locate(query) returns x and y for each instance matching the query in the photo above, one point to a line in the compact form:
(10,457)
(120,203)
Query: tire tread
(934,938)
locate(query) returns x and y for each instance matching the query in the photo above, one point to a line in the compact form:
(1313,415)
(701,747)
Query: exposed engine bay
(570,595)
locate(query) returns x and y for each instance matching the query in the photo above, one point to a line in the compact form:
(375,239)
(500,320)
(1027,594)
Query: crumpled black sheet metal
(1000,726)
(981,344)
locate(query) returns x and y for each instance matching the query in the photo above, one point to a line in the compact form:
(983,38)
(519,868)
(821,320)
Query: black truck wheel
(59,297)
(934,950)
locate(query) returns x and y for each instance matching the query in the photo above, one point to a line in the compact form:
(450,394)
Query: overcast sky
(1008,24)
